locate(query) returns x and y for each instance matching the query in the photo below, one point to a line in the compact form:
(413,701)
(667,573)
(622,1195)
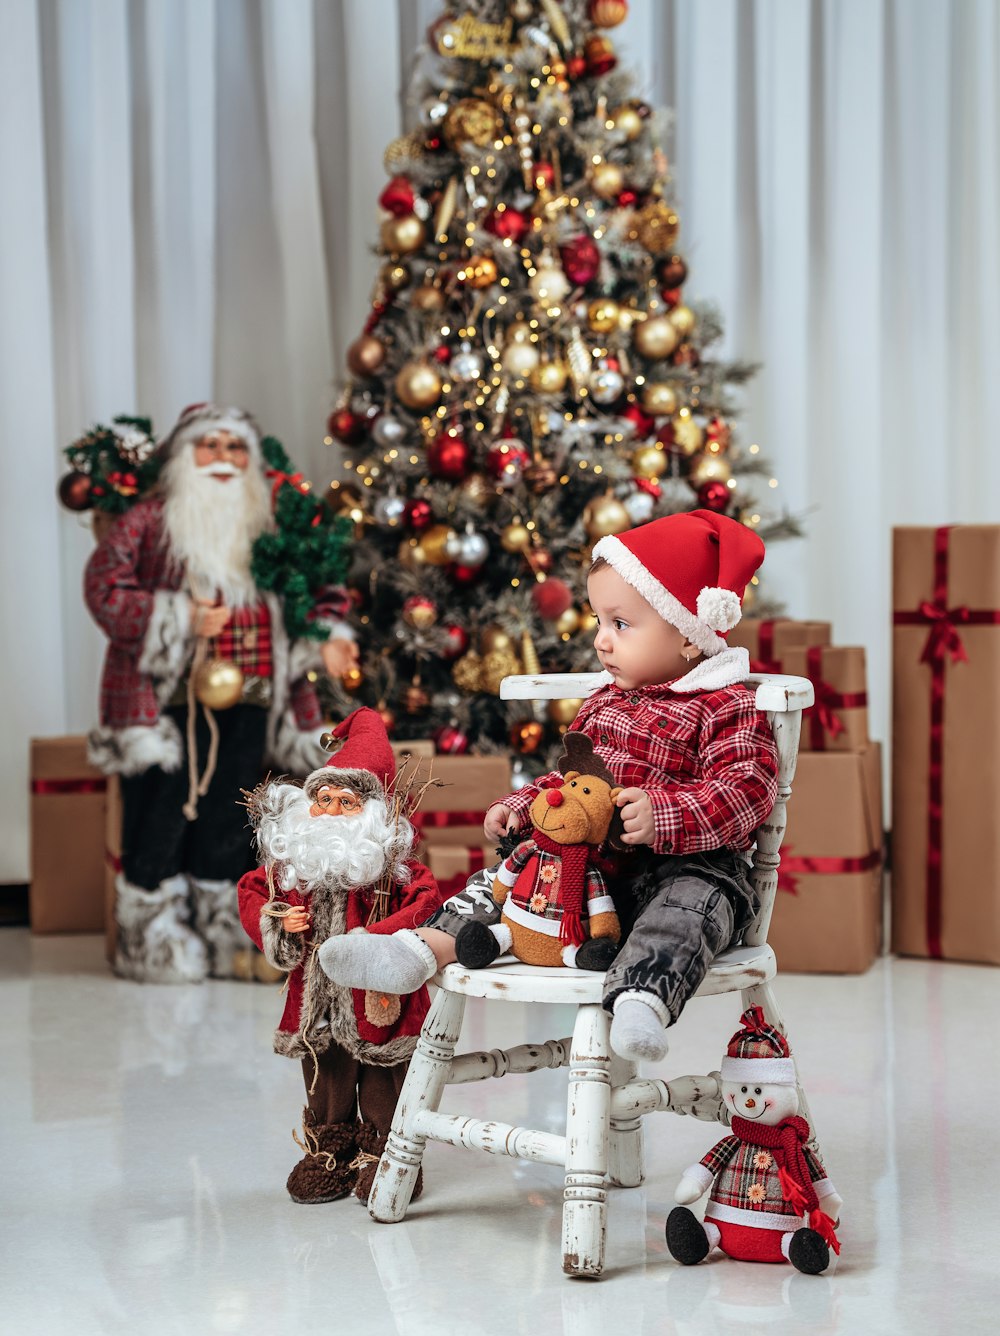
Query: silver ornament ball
(388,431)
(606,385)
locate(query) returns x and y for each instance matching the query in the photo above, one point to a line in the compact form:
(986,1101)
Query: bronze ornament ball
(471,121)
(365,355)
(74,491)
(418,384)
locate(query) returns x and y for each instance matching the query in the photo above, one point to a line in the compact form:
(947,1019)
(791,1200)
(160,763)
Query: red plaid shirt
(246,640)
(707,759)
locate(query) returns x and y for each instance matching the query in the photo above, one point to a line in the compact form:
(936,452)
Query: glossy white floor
(146,1139)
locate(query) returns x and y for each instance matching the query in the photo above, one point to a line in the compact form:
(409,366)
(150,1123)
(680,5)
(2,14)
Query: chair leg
(761,996)
(587,1125)
(625,1150)
(423,1087)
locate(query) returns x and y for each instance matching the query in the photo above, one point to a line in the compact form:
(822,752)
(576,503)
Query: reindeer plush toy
(556,908)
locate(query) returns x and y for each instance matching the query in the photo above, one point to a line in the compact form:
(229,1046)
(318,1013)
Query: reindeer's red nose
(554,797)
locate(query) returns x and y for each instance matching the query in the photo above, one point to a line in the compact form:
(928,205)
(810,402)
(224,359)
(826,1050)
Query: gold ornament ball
(352,680)
(395,276)
(476,489)
(415,699)
(515,537)
(655,337)
(659,399)
(218,684)
(655,226)
(526,736)
(709,468)
(682,319)
(427,297)
(495,666)
(494,639)
(549,377)
(471,121)
(563,712)
(435,543)
(403,235)
(607,178)
(365,355)
(420,615)
(520,356)
(628,121)
(687,432)
(568,622)
(411,555)
(649,461)
(418,385)
(466,672)
(603,516)
(603,315)
(608,13)
(480,271)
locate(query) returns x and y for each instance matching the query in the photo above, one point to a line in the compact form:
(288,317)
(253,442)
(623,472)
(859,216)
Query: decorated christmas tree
(533,373)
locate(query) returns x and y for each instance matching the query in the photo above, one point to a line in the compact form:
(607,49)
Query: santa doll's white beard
(336,852)
(211,524)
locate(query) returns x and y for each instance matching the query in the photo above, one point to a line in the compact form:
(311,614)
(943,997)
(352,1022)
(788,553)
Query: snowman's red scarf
(572,876)
(786,1141)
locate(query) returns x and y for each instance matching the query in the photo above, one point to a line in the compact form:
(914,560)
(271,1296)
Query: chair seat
(510,980)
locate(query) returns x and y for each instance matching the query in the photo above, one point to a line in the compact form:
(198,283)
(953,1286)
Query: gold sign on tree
(469,39)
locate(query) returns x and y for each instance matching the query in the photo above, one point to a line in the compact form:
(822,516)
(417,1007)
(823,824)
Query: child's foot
(398,963)
(637,1032)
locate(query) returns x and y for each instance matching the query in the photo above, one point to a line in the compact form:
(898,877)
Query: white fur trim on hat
(719,608)
(660,599)
(759,1071)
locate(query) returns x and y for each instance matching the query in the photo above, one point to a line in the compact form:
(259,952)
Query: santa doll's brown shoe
(371,1144)
(328,1170)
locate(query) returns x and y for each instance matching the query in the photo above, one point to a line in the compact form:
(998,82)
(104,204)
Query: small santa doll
(767,1183)
(336,859)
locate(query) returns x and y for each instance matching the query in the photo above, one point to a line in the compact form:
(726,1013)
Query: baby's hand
(296,920)
(637,816)
(499,821)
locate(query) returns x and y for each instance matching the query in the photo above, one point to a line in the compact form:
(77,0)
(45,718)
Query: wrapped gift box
(767,639)
(453,865)
(839,719)
(946,742)
(452,810)
(68,801)
(828,909)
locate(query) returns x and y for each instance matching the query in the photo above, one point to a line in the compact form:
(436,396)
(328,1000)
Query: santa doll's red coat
(316,1008)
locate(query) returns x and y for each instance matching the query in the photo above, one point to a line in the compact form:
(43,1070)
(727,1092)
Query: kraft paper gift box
(767,639)
(828,908)
(452,810)
(946,742)
(68,799)
(839,719)
(453,865)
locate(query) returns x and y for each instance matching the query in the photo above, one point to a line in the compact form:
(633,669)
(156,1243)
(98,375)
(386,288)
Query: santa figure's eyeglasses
(338,800)
(219,445)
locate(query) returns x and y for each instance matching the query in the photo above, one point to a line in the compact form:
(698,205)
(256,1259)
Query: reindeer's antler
(579,755)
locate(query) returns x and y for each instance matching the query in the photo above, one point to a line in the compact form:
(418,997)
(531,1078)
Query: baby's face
(633,642)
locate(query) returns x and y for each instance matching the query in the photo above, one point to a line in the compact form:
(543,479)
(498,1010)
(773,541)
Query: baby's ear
(571,774)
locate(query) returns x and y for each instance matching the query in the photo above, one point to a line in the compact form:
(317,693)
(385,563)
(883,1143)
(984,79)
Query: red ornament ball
(686,354)
(398,197)
(75,491)
(580,260)
(448,456)
(626,199)
(643,423)
(551,598)
(507,224)
(507,457)
(465,575)
(456,640)
(672,296)
(599,55)
(544,172)
(672,271)
(714,496)
(450,741)
(346,426)
(442,353)
(417,514)
(540,560)
(576,67)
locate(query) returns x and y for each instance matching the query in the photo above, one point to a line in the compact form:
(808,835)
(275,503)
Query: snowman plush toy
(770,1199)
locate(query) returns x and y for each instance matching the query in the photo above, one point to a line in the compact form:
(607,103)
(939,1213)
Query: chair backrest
(781,698)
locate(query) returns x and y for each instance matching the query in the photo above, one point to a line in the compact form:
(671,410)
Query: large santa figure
(337,860)
(169,584)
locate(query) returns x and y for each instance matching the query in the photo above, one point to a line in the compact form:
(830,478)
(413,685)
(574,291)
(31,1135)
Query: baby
(696,760)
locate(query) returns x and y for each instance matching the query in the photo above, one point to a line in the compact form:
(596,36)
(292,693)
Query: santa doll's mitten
(397,963)
(686,1237)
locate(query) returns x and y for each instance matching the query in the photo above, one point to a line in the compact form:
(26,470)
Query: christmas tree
(532,374)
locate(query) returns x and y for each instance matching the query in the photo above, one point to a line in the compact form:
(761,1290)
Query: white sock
(398,963)
(637,1031)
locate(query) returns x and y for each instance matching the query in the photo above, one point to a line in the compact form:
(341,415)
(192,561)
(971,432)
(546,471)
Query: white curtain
(189,195)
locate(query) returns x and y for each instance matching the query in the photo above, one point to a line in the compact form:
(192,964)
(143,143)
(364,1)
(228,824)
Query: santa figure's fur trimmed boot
(328,1170)
(217,920)
(154,941)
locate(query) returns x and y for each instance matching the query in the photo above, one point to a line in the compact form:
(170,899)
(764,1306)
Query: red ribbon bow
(943,637)
(295,480)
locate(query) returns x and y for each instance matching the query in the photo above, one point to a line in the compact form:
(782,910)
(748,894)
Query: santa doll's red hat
(364,762)
(692,568)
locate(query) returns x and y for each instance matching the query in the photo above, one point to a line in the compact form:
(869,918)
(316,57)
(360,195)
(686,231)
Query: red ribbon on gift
(792,867)
(765,662)
(441,820)
(823,717)
(943,640)
(69,785)
(113,861)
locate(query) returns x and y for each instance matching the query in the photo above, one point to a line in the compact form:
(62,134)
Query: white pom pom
(719,608)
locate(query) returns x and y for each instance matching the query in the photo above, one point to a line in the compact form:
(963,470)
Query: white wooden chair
(602,1143)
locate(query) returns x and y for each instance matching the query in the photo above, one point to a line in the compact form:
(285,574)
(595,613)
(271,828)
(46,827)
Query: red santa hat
(758,1054)
(692,568)
(364,762)
(197,420)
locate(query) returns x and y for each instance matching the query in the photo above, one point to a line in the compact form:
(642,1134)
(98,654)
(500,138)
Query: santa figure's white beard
(333,851)
(211,525)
